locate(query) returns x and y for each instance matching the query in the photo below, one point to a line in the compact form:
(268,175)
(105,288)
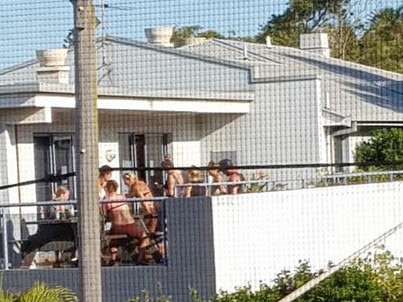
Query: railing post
(5,238)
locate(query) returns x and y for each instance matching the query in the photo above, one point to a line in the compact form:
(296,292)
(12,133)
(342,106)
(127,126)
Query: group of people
(115,209)
(234,177)
(118,211)
(195,184)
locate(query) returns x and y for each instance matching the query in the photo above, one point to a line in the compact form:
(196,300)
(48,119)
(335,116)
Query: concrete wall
(228,241)
(258,235)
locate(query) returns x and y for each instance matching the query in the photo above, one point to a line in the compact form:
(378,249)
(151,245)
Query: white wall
(187,154)
(8,157)
(284,126)
(258,235)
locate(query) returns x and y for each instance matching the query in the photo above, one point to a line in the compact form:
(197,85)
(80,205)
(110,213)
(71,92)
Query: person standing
(215,173)
(195,179)
(227,167)
(140,189)
(105,174)
(174,178)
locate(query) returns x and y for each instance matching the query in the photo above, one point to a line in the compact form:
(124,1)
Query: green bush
(39,292)
(377,277)
(383,151)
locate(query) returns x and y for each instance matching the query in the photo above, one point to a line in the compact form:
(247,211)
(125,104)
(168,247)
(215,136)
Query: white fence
(258,235)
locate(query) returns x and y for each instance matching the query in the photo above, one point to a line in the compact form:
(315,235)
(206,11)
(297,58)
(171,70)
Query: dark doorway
(146,152)
(54,155)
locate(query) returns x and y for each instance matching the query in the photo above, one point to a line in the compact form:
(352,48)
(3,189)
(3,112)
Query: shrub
(39,292)
(377,277)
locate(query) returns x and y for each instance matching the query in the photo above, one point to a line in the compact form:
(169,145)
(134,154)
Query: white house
(258,104)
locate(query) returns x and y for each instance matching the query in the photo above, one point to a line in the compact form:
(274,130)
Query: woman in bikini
(215,173)
(194,180)
(174,178)
(118,213)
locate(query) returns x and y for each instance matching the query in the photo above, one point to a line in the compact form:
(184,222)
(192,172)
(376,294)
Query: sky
(29,25)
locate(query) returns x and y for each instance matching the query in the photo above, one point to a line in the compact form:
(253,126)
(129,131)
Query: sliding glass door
(144,152)
(54,155)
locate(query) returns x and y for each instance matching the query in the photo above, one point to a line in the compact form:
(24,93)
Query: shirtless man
(105,174)
(122,220)
(233,175)
(139,189)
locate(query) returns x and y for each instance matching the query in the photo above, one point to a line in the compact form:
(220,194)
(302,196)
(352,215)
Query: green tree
(182,34)
(302,16)
(383,151)
(381,45)
(210,34)
(355,34)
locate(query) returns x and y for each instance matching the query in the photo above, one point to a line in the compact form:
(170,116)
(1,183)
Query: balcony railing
(266,185)
(360,177)
(28,215)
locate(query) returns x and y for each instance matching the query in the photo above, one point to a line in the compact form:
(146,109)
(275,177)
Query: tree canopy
(372,38)
(383,151)
(382,44)
(302,16)
(182,34)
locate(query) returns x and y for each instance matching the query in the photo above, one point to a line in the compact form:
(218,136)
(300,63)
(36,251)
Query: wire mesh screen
(201,150)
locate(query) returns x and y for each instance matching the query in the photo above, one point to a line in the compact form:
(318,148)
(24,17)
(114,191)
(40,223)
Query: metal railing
(361,177)
(246,185)
(268,185)
(37,214)
(5,217)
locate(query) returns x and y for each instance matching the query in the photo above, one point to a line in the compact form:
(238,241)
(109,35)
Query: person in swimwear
(139,189)
(118,213)
(105,174)
(174,178)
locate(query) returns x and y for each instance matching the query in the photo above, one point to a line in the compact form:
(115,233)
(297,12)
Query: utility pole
(86,124)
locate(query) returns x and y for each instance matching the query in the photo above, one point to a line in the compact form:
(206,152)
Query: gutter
(50,88)
(347,131)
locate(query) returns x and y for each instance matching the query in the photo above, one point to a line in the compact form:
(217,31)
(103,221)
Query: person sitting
(195,177)
(233,176)
(118,213)
(215,173)
(174,178)
(57,210)
(49,232)
(140,189)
